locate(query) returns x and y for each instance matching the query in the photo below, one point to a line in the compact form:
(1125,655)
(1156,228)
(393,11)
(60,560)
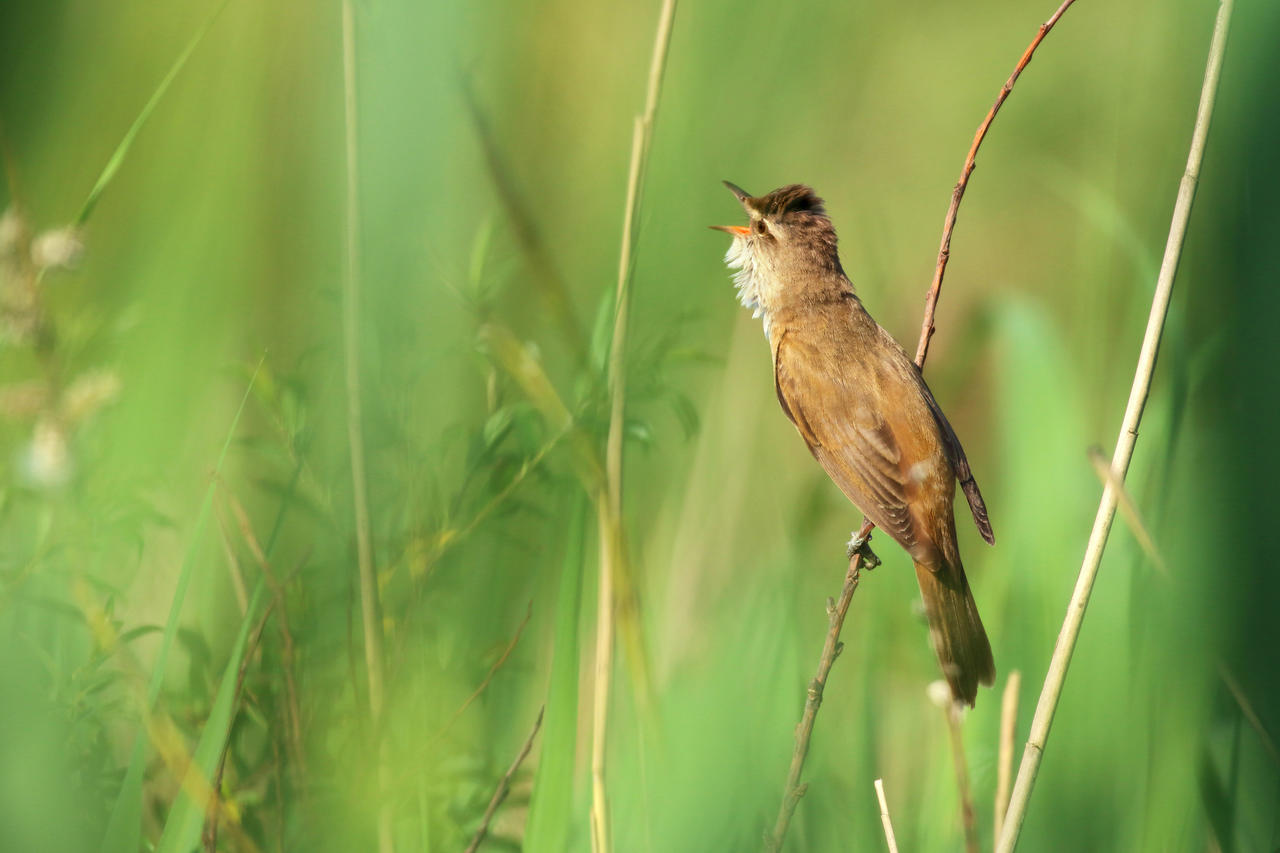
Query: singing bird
(861,405)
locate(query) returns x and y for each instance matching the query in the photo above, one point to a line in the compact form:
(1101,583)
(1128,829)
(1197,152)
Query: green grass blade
(124,828)
(186,818)
(552,802)
(113,164)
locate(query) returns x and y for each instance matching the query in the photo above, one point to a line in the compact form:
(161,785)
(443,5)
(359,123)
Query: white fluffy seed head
(57,248)
(939,694)
(46,462)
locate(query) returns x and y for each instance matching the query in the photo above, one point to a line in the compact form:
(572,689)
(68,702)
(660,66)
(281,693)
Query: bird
(864,411)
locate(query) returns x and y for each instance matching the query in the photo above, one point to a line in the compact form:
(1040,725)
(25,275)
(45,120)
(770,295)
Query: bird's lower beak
(742,196)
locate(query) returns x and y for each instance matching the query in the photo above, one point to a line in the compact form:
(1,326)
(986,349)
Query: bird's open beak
(743,197)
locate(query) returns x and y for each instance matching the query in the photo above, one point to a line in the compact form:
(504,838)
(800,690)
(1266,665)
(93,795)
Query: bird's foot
(855,545)
(858,545)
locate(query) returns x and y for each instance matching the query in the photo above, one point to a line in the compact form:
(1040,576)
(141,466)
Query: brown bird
(864,410)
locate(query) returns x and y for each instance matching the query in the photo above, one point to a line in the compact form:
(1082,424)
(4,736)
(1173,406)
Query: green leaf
(551,806)
(479,252)
(640,431)
(495,428)
(124,828)
(686,413)
(602,332)
(139,631)
(113,164)
(186,818)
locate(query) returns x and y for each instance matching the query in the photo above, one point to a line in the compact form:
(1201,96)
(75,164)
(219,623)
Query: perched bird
(864,410)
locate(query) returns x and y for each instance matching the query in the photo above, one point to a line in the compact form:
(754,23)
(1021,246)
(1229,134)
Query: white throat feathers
(748,278)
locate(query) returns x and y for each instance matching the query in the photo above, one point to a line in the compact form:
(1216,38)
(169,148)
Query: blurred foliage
(494,142)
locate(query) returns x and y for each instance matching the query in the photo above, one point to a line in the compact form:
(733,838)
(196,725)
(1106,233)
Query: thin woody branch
(504,785)
(484,683)
(949,224)
(794,790)
(861,558)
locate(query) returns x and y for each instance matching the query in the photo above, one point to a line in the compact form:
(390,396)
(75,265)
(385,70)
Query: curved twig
(949,223)
(861,558)
(831,646)
(497,665)
(504,785)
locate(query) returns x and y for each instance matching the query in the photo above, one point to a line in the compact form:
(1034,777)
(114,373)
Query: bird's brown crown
(793,198)
(787,254)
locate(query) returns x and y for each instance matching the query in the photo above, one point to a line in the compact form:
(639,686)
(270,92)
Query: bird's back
(859,403)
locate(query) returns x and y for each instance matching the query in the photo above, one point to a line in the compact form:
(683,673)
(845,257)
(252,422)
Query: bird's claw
(855,545)
(859,544)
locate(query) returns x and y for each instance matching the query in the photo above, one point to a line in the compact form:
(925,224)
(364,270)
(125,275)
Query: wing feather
(847,435)
(960,463)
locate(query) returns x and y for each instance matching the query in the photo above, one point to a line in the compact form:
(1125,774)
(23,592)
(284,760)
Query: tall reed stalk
(1061,660)
(609,514)
(369,609)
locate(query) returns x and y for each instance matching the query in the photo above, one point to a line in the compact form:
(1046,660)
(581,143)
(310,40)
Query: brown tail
(958,637)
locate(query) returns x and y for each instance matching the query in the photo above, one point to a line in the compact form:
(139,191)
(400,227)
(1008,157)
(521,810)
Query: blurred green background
(493,147)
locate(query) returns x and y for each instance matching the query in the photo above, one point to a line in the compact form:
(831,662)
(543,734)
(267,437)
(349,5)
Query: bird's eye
(760,227)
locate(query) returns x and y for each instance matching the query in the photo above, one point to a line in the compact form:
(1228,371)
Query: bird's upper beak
(743,197)
(738,192)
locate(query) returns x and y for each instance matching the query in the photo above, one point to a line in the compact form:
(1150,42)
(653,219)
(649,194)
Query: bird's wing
(859,449)
(960,463)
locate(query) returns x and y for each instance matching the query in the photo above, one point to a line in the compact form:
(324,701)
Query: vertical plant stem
(369,610)
(1061,660)
(1008,727)
(967,817)
(603,681)
(885,821)
(641,137)
(612,541)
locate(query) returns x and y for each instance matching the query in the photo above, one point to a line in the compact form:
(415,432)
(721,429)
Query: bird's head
(786,250)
